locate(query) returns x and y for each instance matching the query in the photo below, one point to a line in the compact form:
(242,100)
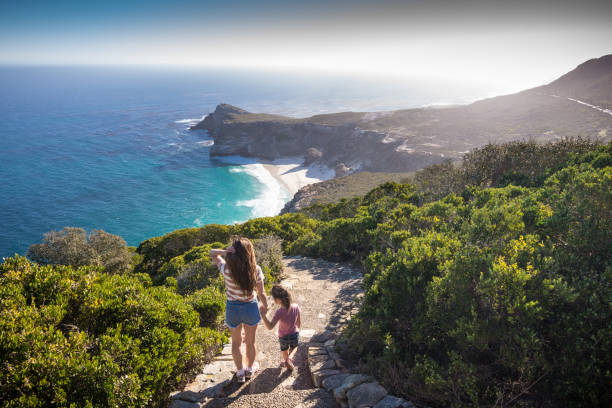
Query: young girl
(288,318)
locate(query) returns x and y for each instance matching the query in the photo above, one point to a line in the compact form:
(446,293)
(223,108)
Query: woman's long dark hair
(242,265)
(278,292)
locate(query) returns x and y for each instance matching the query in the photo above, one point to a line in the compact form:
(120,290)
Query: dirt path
(325,292)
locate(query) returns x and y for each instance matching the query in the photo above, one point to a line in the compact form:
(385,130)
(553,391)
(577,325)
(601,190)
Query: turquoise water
(109,148)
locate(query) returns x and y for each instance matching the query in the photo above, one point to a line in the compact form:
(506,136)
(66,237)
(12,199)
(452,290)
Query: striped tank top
(232,289)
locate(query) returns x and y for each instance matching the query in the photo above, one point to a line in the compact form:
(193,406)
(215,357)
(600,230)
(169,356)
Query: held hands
(263,310)
(230,250)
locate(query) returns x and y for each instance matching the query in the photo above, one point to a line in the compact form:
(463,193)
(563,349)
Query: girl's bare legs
(285,354)
(249,339)
(236,343)
(288,356)
(292,352)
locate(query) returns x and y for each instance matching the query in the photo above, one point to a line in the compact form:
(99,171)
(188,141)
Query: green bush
(503,298)
(287,227)
(210,304)
(192,270)
(269,255)
(78,337)
(73,246)
(523,163)
(159,250)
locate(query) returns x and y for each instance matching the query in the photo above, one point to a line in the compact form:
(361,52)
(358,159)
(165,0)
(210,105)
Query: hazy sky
(522,42)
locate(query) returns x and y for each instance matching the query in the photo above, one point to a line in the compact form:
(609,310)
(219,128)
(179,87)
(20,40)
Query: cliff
(338,137)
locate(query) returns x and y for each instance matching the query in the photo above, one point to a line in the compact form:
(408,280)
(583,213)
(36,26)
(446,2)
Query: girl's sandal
(290,364)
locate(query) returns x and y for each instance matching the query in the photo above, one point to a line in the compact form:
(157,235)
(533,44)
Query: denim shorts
(289,341)
(237,313)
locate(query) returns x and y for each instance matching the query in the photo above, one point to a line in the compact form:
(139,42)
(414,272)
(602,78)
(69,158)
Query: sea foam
(272,196)
(190,121)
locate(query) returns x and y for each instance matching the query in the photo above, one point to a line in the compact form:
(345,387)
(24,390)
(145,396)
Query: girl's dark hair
(278,292)
(242,265)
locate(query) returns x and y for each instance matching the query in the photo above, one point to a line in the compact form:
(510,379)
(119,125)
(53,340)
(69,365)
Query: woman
(243,280)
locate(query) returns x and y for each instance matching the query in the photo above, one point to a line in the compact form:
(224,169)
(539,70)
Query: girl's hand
(263,310)
(230,250)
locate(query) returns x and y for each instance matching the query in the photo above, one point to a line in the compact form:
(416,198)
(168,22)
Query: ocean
(109,148)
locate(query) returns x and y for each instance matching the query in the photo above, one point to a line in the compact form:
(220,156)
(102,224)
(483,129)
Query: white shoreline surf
(280,179)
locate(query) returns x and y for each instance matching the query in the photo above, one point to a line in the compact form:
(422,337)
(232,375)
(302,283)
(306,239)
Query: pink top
(287,320)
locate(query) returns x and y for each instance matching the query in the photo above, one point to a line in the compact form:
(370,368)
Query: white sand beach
(293,176)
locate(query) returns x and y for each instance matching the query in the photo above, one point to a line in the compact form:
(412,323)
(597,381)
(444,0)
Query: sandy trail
(325,292)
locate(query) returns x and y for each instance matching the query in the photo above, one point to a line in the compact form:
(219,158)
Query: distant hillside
(590,82)
(408,140)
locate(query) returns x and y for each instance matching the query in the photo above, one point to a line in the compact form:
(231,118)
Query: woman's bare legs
(249,339)
(236,343)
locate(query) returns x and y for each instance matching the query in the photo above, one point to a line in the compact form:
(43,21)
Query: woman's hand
(263,310)
(216,254)
(222,252)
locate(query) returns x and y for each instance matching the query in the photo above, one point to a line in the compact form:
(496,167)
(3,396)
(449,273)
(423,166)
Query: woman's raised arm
(215,254)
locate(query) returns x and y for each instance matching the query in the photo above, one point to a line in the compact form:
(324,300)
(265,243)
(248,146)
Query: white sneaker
(240,375)
(252,370)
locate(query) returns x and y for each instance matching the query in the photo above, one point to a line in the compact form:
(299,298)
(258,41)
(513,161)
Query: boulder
(189,396)
(394,402)
(312,155)
(334,381)
(330,343)
(319,376)
(316,351)
(322,337)
(366,395)
(348,383)
(323,365)
(341,170)
(317,359)
(177,403)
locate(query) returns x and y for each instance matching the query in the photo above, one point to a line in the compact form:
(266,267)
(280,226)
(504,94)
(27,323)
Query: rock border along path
(329,371)
(326,293)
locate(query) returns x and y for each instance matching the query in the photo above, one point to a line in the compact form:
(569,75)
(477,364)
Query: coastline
(280,179)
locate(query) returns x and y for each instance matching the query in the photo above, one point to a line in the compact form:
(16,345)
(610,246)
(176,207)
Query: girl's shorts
(237,313)
(289,341)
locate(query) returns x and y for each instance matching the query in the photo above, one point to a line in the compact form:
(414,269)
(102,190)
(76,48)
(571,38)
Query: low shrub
(269,255)
(192,270)
(496,299)
(79,337)
(159,250)
(73,246)
(210,304)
